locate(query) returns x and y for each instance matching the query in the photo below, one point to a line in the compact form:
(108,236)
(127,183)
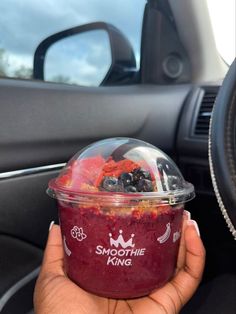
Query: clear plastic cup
(120,203)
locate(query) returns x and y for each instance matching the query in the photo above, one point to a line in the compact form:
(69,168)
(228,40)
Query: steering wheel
(222,148)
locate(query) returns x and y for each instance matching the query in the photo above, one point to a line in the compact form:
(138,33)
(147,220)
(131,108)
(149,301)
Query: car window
(224,31)
(24,24)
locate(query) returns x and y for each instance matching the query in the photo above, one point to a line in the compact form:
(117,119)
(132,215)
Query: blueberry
(147,175)
(126,178)
(139,174)
(145,185)
(110,184)
(130,188)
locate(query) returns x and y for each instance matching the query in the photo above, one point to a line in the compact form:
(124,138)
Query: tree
(23,72)
(3,61)
(60,79)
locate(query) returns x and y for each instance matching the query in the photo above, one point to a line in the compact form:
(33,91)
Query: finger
(53,254)
(195,252)
(180,289)
(182,246)
(189,277)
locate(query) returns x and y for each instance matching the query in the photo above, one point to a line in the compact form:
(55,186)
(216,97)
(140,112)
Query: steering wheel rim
(222,148)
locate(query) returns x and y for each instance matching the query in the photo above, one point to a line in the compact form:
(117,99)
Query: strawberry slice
(87,170)
(115,169)
(82,173)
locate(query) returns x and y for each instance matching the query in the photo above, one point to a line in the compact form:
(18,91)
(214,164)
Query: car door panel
(26,210)
(20,258)
(19,270)
(42,123)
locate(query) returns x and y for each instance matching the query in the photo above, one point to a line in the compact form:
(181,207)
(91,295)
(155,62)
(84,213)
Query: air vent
(204,114)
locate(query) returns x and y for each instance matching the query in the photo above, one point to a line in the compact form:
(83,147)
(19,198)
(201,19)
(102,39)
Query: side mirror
(107,52)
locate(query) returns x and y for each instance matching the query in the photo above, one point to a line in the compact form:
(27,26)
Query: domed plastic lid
(119,169)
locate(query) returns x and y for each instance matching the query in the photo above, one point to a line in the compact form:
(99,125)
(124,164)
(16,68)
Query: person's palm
(56,293)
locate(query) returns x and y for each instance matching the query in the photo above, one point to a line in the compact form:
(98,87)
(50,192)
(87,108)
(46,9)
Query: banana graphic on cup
(67,250)
(166,235)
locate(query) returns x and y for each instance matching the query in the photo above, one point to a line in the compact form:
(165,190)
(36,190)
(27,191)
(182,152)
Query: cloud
(82,58)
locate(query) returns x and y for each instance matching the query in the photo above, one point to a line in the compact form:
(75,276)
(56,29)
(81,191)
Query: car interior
(163,94)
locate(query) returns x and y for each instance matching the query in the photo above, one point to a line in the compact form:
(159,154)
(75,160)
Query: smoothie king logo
(120,240)
(123,253)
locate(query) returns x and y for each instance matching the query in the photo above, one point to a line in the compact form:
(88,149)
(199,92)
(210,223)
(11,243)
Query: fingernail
(187,214)
(194,223)
(51,224)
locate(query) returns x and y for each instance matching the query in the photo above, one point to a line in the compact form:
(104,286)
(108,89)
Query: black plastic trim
(188,143)
(161,40)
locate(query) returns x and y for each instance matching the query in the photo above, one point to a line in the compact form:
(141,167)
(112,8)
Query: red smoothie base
(120,255)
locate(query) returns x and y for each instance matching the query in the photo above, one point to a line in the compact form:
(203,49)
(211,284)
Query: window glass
(81,59)
(222,13)
(24,24)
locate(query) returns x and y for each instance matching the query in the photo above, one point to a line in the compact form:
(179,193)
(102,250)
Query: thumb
(53,254)
(180,289)
(188,278)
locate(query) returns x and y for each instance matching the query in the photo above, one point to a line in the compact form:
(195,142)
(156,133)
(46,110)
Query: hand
(56,294)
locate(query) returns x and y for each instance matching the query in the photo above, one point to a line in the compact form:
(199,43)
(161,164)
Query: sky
(25,23)
(222,13)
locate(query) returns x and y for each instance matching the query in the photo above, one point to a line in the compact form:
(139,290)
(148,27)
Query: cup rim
(120,198)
